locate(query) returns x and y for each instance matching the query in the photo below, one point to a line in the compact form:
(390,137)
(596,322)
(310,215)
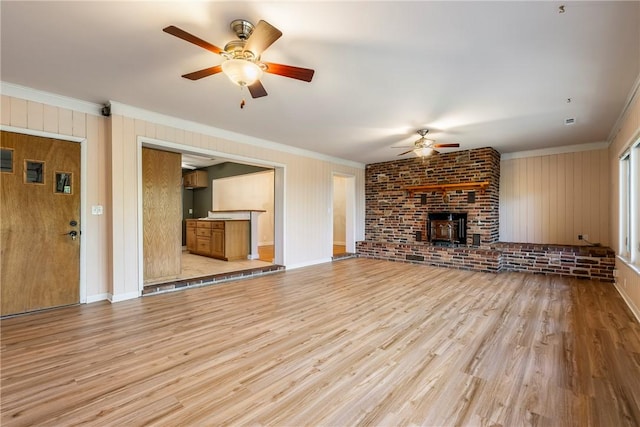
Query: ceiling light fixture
(242,71)
(424,151)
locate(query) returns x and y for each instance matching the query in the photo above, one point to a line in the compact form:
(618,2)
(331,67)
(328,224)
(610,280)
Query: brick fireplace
(401,195)
(394,216)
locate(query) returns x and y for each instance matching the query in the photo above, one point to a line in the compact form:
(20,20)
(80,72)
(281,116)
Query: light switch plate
(96,210)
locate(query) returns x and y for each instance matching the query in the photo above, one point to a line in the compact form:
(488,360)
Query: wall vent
(569,121)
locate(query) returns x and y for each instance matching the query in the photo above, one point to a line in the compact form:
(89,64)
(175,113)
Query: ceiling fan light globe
(423,152)
(241,71)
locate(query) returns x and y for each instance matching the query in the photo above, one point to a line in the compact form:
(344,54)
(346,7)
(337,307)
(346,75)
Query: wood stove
(447,227)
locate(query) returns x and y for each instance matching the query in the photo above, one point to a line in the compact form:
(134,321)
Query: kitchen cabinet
(191,235)
(225,240)
(196,179)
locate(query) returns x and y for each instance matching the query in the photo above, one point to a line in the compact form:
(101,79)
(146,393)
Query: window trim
(629,205)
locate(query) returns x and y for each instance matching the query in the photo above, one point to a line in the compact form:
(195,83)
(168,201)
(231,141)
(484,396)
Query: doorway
(40,222)
(196,203)
(343,215)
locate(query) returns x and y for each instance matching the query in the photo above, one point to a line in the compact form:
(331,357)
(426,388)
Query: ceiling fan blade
(197,75)
(257,90)
(263,36)
(304,74)
(452,145)
(406,152)
(182,34)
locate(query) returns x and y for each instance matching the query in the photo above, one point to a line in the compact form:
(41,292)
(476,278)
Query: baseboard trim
(308,264)
(635,310)
(97,297)
(123,297)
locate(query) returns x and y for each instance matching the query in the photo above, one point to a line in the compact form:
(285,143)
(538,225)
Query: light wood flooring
(355,342)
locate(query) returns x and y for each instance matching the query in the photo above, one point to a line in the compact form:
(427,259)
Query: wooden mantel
(481,185)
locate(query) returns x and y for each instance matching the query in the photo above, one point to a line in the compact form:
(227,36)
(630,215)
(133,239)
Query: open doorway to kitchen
(228,215)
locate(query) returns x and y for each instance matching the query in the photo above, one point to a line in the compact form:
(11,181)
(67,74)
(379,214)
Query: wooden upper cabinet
(196,179)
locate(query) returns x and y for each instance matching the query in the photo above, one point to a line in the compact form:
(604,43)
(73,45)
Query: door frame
(83,194)
(279,196)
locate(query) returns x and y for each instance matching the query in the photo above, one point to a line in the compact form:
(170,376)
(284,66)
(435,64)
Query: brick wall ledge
(585,262)
(462,257)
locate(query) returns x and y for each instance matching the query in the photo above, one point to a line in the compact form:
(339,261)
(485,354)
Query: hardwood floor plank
(355,342)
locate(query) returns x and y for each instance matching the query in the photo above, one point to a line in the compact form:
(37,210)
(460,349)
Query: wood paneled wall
(112,265)
(161,213)
(308,231)
(553,198)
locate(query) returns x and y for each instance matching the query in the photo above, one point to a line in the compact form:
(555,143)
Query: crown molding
(555,150)
(633,93)
(125,110)
(48,98)
(151,116)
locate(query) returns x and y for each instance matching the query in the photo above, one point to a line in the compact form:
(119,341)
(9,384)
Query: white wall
(248,192)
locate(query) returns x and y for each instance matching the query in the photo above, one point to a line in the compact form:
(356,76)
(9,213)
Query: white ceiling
(478,73)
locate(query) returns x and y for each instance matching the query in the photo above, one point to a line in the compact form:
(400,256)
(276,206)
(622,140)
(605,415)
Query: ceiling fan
(424,147)
(242,63)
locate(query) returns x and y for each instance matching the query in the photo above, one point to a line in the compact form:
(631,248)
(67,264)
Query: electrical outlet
(579,236)
(554,261)
(585,237)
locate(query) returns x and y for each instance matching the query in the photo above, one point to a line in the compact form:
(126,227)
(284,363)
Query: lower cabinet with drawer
(226,240)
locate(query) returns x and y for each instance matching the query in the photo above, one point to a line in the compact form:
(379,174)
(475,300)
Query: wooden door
(40,206)
(162,213)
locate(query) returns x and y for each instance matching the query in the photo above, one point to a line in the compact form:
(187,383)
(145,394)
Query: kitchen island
(225,239)
(249,214)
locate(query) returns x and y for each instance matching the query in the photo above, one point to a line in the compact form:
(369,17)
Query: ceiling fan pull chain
(242,101)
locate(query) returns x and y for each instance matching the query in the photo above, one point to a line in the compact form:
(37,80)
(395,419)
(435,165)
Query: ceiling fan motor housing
(242,28)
